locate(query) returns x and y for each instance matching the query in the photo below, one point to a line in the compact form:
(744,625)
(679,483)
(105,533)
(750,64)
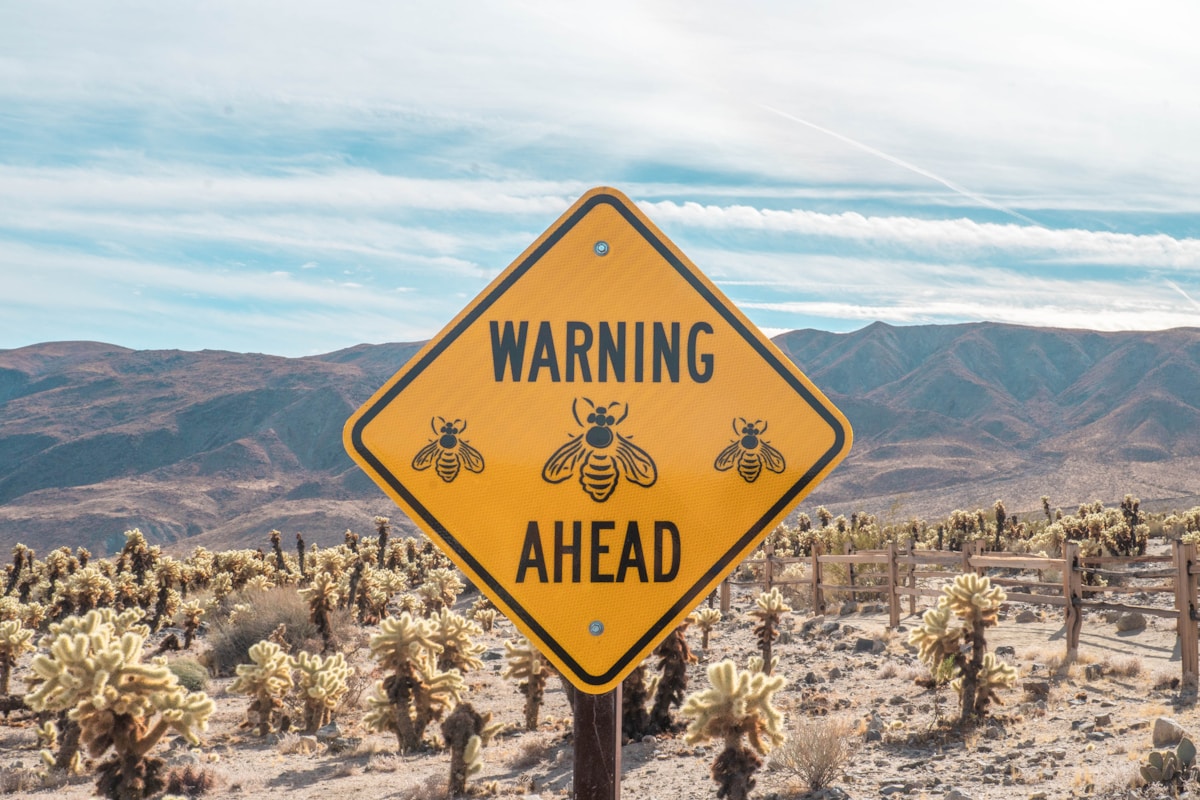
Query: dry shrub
(19,780)
(190,781)
(385,763)
(816,751)
(1125,667)
(533,751)
(231,641)
(433,787)
(291,744)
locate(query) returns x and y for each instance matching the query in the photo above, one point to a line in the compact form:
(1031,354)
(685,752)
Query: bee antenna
(623,416)
(574,413)
(736,429)
(464,425)
(433,424)
(764,427)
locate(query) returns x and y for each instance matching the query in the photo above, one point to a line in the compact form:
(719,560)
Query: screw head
(596,628)
(600,248)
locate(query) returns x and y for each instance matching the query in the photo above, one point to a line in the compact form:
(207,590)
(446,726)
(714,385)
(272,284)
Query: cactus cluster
(416,692)
(526,665)
(267,680)
(769,608)
(943,640)
(738,704)
(94,672)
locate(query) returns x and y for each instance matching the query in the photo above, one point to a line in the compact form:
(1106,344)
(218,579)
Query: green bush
(191,674)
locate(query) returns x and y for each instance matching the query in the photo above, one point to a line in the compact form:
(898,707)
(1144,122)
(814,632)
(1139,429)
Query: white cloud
(955,236)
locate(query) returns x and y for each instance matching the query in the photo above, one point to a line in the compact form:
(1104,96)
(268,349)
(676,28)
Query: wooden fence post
(1185,604)
(725,597)
(849,548)
(912,578)
(818,596)
(893,580)
(1073,593)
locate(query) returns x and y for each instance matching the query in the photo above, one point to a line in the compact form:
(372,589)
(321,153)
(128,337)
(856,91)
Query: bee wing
(471,458)
(728,457)
(636,463)
(771,458)
(426,456)
(561,465)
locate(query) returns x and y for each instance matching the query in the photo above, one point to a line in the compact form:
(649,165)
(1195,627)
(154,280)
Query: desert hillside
(219,447)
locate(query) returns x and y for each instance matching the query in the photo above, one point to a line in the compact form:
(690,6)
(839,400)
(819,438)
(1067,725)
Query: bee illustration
(750,452)
(448,452)
(601,455)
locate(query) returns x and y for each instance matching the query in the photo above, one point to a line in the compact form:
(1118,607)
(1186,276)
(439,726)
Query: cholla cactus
(526,665)
(705,619)
(85,590)
(322,685)
(769,610)
(453,632)
(674,657)
(322,596)
(96,674)
(466,731)
(192,611)
(737,705)
(14,640)
(417,692)
(267,680)
(441,588)
(972,599)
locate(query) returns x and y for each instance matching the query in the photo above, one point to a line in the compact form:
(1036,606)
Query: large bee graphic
(448,452)
(601,456)
(750,452)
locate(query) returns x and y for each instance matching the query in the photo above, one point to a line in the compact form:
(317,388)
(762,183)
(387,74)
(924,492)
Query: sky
(299,177)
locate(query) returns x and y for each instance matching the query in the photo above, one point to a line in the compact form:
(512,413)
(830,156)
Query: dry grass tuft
(534,750)
(384,763)
(294,744)
(1124,666)
(816,751)
(432,788)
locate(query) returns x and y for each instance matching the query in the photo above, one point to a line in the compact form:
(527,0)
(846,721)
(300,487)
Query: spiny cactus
(322,597)
(322,683)
(466,731)
(526,665)
(268,681)
(453,633)
(1171,767)
(737,705)
(674,658)
(192,611)
(119,703)
(14,640)
(769,610)
(417,692)
(705,619)
(972,599)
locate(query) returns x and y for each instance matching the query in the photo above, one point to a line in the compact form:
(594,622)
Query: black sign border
(690,597)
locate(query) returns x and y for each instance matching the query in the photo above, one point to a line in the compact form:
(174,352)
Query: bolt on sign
(598,439)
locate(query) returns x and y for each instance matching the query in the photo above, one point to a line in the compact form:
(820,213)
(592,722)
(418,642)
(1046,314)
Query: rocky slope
(217,448)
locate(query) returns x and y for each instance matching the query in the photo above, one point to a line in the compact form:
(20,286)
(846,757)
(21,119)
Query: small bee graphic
(750,452)
(448,452)
(601,455)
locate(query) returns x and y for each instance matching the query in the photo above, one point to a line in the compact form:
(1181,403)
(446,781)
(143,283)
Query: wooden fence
(897,573)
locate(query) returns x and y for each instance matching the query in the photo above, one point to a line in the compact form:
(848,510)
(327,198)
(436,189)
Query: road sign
(598,439)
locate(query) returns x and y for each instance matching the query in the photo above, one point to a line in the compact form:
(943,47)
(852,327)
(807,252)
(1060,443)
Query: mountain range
(218,448)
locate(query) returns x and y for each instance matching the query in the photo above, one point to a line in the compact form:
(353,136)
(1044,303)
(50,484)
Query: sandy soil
(1086,737)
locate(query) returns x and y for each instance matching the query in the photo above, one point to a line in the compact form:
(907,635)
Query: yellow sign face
(598,439)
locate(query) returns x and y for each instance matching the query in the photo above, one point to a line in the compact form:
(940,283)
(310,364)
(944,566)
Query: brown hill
(217,448)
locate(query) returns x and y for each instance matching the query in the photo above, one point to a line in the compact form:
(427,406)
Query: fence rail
(899,572)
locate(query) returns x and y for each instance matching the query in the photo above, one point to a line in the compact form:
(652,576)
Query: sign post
(597,440)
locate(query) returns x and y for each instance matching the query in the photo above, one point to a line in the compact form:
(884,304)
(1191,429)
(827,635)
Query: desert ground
(1064,730)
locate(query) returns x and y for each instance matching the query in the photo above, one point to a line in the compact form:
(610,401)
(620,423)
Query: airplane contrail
(1179,289)
(978,198)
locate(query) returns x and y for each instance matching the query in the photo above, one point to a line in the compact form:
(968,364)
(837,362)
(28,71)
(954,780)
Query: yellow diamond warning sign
(598,439)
